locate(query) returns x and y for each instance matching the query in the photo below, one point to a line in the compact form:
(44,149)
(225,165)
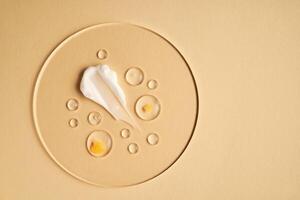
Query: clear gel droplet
(134,76)
(152,84)
(72,104)
(94,118)
(125,133)
(102,54)
(73,123)
(152,139)
(133,148)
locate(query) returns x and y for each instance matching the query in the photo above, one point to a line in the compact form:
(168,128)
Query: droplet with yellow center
(147,107)
(99,143)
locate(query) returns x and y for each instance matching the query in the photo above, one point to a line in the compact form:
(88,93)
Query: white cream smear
(100,84)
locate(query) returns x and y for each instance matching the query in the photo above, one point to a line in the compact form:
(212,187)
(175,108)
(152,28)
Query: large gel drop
(134,76)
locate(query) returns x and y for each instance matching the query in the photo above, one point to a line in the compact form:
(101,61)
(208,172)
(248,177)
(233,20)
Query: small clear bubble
(72,104)
(94,118)
(134,76)
(73,123)
(133,148)
(152,84)
(125,133)
(102,54)
(152,139)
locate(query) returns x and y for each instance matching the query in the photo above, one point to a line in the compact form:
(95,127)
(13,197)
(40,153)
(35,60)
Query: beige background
(245,56)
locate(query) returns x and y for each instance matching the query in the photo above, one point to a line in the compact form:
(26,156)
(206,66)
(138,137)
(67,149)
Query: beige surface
(245,56)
